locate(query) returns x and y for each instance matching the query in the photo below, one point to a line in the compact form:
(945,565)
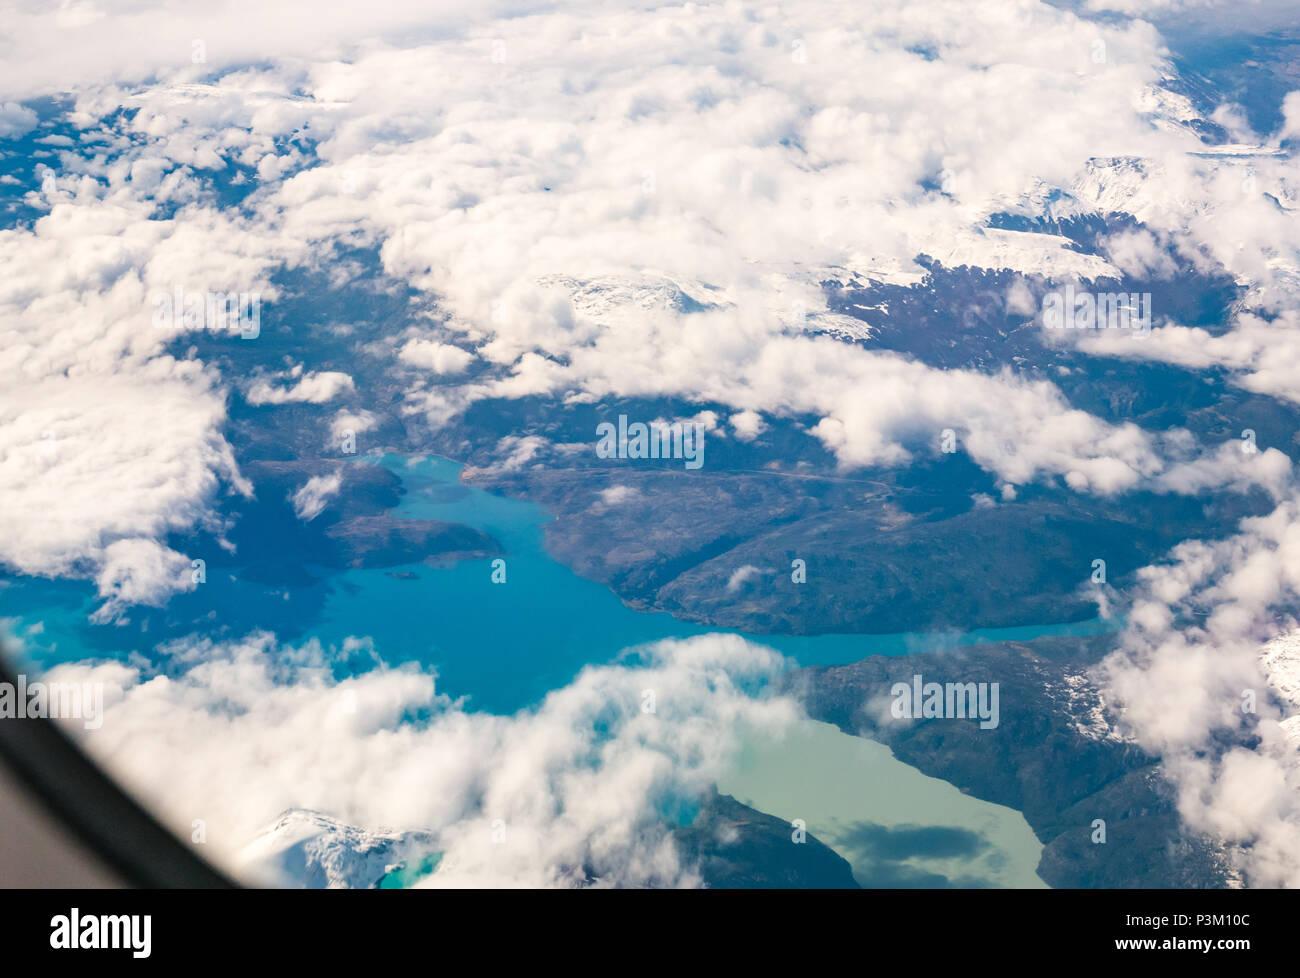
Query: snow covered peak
(311,850)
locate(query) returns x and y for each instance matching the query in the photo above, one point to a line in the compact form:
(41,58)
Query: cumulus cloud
(1140,255)
(1189,687)
(312,387)
(309,501)
(105,435)
(354,421)
(15,120)
(618,494)
(85,461)
(95,470)
(441,358)
(1259,353)
(140,572)
(589,780)
(513,453)
(1291,113)
(747,425)
(346,426)
(741,576)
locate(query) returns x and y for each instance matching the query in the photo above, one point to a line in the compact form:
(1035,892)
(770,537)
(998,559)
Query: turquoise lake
(502,645)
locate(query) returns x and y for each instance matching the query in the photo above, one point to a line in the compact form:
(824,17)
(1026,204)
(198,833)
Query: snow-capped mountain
(1280,660)
(311,850)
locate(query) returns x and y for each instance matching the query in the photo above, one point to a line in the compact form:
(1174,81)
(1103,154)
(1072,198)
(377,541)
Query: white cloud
(312,387)
(1291,113)
(104,436)
(139,572)
(512,453)
(582,781)
(741,576)
(618,494)
(1182,688)
(747,425)
(1259,353)
(355,422)
(16,120)
(1139,254)
(309,501)
(93,468)
(441,358)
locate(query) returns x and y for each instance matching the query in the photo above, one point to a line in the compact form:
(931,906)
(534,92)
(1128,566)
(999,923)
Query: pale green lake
(895,825)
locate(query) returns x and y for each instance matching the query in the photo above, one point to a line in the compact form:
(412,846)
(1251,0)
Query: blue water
(406,876)
(503,645)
